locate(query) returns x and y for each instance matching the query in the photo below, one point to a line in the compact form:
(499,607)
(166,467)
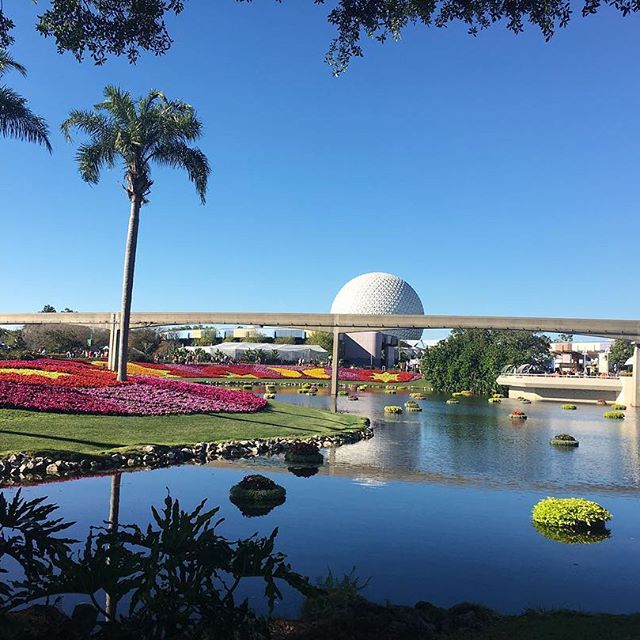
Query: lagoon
(435,507)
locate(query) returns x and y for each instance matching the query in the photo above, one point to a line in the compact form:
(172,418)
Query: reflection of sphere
(304,472)
(571,536)
(382,294)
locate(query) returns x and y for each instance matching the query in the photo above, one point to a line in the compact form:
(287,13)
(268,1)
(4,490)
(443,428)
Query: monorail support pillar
(634,400)
(335,360)
(114,341)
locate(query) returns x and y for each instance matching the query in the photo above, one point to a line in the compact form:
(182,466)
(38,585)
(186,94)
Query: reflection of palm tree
(114,516)
(16,119)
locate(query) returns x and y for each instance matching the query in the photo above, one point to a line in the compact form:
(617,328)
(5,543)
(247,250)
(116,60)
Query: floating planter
(569,407)
(391,392)
(393,409)
(618,407)
(269,396)
(342,392)
(497,395)
(306,391)
(566,517)
(353,398)
(417,396)
(415,409)
(247,387)
(564,440)
(304,453)
(466,394)
(256,495)
(453,401)
(518,415)
(525,401)
(457,394)
(361,387)
(494,400)
(614,415)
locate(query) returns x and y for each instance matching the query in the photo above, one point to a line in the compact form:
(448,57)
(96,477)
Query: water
(435,507)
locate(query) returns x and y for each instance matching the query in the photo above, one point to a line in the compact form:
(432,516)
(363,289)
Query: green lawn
(560,625)
(35,431)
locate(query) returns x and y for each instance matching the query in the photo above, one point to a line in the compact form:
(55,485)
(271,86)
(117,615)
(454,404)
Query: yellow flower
(318,373)
(287,373)
(34,372)
(148,371)
(385,377)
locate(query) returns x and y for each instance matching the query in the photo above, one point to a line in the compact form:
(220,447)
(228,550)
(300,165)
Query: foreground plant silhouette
(176,578)
(136,133)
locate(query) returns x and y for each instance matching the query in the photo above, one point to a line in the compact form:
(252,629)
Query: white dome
(380,293)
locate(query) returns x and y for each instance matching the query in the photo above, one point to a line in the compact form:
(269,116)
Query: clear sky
(497,174)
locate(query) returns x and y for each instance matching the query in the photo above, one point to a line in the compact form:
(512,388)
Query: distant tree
(208,338)
(621,351)
(323,339)
(62,338)
(565,337)
(254,336)
(473,358)
(285,340)
(101,28)
(67,310)
(143,343)
(135,133)
(16,119)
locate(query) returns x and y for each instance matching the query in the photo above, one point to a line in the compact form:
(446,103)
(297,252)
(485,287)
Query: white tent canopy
(286,352)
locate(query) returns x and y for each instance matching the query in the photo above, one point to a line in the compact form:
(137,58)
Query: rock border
(24,468)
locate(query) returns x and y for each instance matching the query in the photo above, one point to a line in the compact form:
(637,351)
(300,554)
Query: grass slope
(35,431)
(558,625)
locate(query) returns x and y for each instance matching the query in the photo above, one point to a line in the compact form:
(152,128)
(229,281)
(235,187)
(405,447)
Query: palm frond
(192,159)
(93,157)
(88,122)
(18,121)
(7,62)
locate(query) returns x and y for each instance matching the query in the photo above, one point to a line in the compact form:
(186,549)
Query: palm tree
(135,133)
(16,119)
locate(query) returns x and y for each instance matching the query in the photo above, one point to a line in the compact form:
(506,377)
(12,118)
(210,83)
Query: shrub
(614,415)
(494,400)
(393,409)
(257,489)
(570,513)
(619,407)
(304,452)
(564,440)
(569,407)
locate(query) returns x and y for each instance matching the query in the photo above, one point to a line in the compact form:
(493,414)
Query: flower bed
(564,440)
(266,372)
(256,495)
(72,387)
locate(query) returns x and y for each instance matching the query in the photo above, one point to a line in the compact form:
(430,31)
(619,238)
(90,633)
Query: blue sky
(497,174)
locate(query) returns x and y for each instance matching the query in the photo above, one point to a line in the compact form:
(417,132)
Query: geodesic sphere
(383,294)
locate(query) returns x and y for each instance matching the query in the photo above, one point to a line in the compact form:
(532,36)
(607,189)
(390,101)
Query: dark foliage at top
(101,28)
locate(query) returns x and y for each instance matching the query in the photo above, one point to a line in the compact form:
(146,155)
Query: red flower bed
(83,388)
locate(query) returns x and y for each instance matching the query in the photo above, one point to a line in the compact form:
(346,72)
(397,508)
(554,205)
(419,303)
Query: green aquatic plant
(618,407)
(614,415)
(564,440)
(393,409)
(569,407)
(570,513)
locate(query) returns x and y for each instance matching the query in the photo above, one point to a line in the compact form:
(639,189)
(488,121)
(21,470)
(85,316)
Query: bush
(619,407)
(614,415)
(564,440)
(257,489)
(569,407)
(577,514)
(393,409)
(494,400)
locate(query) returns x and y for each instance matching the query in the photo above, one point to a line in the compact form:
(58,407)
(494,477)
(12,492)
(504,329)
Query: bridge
(346,323)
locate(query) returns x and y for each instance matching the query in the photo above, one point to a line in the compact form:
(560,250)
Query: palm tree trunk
(127,285)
